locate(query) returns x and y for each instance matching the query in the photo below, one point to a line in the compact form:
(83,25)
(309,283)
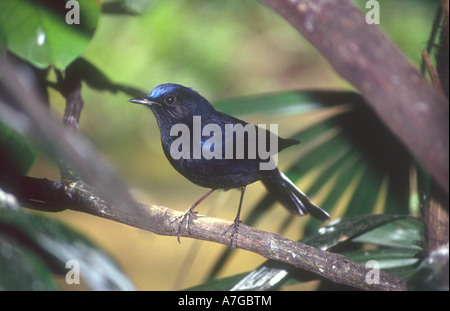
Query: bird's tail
(292,198)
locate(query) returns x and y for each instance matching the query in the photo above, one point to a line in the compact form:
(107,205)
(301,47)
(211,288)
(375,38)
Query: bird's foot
(234,228)
(187,217)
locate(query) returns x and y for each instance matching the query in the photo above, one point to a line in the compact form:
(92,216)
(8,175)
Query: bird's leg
(190,213)
(235,226)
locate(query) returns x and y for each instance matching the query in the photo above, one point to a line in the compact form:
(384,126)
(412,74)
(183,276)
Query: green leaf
(21,269)
(3,49)
(401,262)
(17,155)
(406,233)
(35,236)
(348,229)
(286,103)
(218,284)
(42,32)
(433,272)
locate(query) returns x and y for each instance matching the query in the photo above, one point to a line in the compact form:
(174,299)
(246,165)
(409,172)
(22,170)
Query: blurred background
(223,49)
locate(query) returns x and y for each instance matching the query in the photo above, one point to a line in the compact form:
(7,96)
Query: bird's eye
(169,99)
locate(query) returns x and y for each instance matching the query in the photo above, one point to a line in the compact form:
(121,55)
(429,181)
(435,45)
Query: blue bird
(218,151)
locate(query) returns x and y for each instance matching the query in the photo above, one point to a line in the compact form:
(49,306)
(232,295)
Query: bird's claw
(234,228)
(188,215)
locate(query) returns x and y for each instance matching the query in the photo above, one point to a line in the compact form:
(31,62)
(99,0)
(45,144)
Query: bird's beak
(142,101)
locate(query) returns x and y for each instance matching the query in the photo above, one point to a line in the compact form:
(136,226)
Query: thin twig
(432,71)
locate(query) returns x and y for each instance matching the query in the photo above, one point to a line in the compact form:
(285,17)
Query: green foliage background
(225,50)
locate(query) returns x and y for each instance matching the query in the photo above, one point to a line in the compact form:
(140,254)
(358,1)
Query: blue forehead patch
(168,88)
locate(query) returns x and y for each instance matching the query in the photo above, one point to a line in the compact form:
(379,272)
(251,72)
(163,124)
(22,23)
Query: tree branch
(361,53)
(164,221)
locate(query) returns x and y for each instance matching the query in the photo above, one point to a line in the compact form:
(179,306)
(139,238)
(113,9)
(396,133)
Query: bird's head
(173,103)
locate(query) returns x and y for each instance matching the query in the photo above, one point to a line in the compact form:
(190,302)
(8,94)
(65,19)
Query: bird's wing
(245,138)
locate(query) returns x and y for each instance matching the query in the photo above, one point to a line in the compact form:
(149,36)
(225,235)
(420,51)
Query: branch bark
(164,221)
(361,53)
